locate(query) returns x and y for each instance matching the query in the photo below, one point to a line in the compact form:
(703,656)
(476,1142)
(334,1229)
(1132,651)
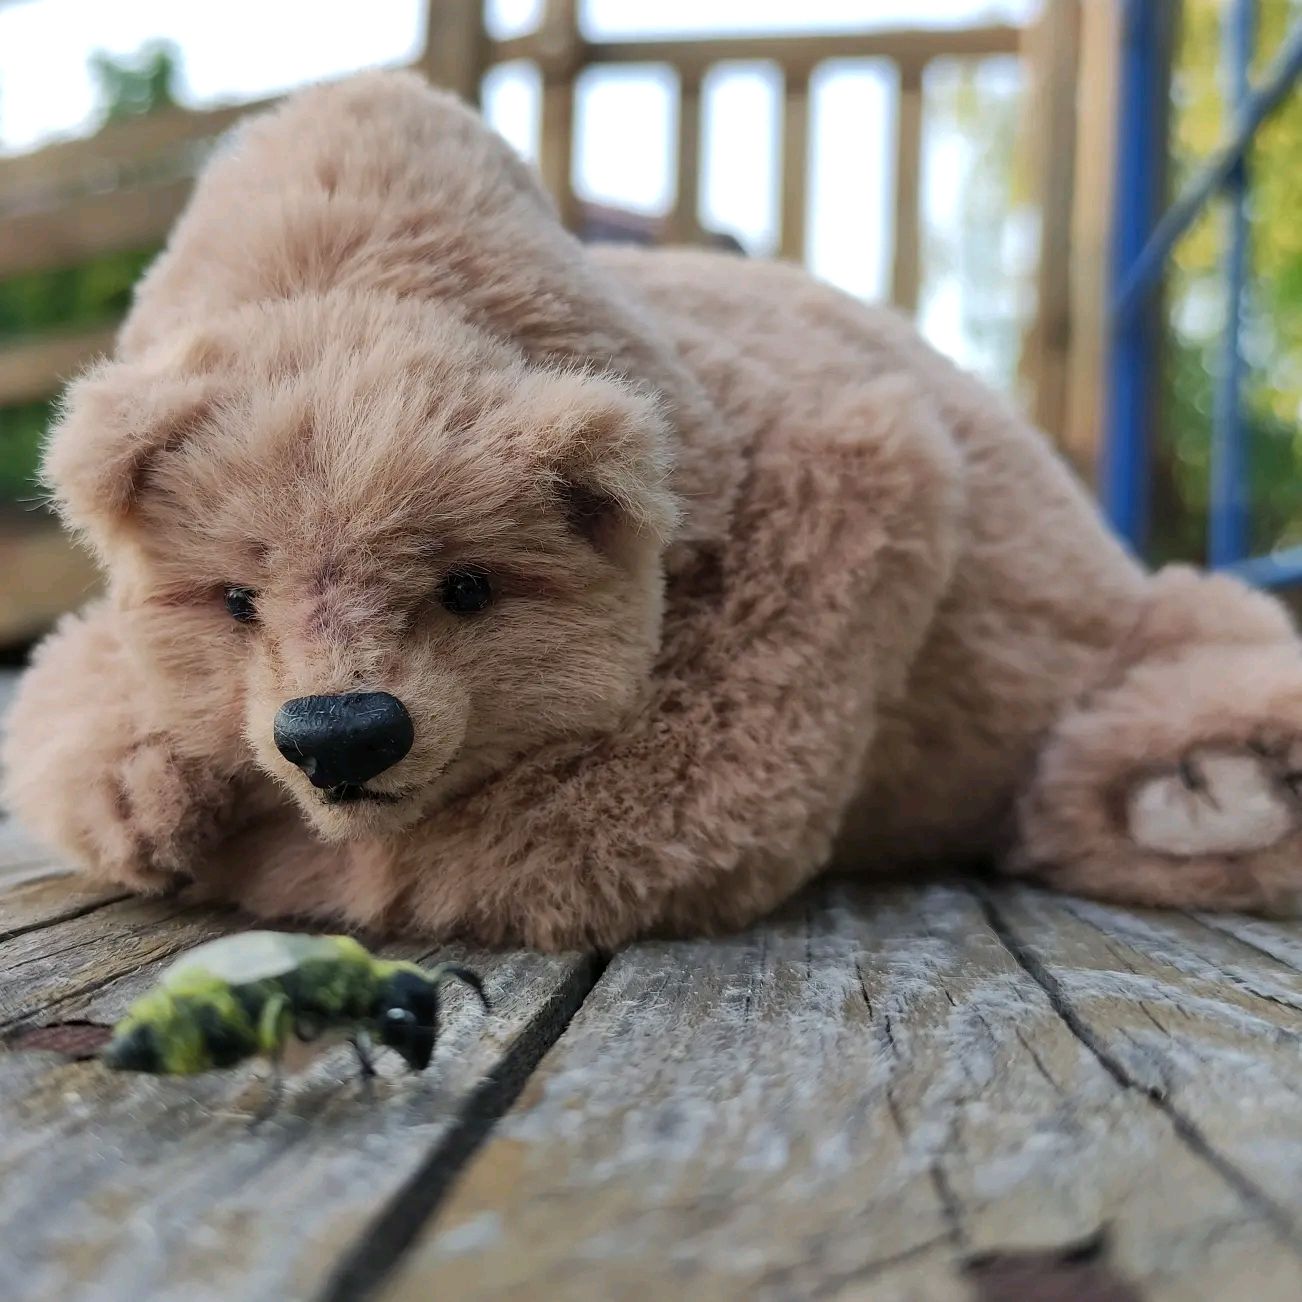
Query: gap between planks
(1184,1127)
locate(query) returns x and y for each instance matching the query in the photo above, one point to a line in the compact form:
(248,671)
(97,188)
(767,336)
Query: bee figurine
(253,993)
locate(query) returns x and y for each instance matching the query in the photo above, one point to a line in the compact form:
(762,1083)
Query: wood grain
(856,1100)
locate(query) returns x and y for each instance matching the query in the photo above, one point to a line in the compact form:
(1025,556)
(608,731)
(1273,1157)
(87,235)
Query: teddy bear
(465,581)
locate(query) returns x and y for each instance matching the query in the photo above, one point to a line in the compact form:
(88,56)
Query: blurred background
(956,157)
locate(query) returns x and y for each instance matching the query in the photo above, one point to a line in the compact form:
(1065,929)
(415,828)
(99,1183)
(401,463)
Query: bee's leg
(275,1026)
(365,1064)
(275,1095)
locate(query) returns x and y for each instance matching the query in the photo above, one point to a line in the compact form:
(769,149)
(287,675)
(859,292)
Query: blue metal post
(1229,524)
(1125,474)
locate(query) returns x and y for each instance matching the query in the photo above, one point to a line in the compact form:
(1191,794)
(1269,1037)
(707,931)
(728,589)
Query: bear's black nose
(343,740)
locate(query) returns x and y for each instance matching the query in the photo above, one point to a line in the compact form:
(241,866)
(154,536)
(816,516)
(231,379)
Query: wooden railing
(123,188)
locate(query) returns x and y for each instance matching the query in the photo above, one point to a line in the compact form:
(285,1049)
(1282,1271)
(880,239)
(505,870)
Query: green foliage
(72,298)
(1272,336)
(978,248)
(138,83)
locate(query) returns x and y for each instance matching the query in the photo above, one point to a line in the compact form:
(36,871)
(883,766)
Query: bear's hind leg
(1178,780)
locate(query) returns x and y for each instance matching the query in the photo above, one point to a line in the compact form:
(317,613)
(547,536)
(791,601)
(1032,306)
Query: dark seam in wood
(753,977)
(1143,1008)
(370,1261)
(863,989)
(1035,1058)
(831,1284)
(949,1206)
(1185,1129)
(68,915)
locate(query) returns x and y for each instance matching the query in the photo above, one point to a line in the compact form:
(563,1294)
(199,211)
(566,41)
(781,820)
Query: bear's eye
(466,592)
(242,604)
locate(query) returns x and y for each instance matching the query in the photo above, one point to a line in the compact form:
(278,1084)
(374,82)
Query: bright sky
(245,49)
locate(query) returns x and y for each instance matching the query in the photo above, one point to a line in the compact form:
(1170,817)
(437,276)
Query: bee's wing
(251,956)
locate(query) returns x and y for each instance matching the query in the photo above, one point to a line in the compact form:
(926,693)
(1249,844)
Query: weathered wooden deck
(948,1091)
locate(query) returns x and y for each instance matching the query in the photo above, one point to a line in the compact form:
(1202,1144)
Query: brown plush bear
(465,581)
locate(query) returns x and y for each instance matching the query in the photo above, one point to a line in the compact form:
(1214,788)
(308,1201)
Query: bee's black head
(408,1015)
(135,1050)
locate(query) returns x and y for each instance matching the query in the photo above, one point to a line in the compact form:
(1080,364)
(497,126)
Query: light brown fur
(778,587)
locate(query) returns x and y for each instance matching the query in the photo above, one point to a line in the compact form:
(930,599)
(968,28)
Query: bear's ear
(114,422)
(602,447)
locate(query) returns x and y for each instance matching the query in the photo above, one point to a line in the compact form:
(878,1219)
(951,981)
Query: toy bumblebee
(254,993)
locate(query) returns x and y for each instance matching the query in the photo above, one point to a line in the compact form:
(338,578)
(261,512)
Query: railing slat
(684,222)
(27,180)
(795,166)
(560,54)
(1055,58)
(798,55)
(34,369)
(906,263)
(1091,198)
(85,227)
(456,46)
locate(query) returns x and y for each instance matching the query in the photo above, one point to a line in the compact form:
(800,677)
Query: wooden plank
(71,165)
(795,167)
(117,1185)
(31,369)
(24,861)
(46,575)
(870,1096)
(45,968)
(456,48)
(40,904)
(906,262)
(1091,236)
(100,223)
(1053,58)
(797,55)
(685,221)
(1207,1027)
(561,56)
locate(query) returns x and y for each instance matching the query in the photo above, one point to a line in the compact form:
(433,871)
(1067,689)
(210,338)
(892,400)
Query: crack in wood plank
(1257,1199)
(65,915)
(378,1252)
(898,1082)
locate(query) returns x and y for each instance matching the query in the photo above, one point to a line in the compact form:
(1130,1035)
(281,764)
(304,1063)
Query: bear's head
(370,547)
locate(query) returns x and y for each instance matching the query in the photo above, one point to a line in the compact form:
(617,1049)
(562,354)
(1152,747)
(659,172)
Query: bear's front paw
(140,824)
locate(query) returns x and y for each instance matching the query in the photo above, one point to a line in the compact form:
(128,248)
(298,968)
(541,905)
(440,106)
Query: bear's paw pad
(1218,800)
